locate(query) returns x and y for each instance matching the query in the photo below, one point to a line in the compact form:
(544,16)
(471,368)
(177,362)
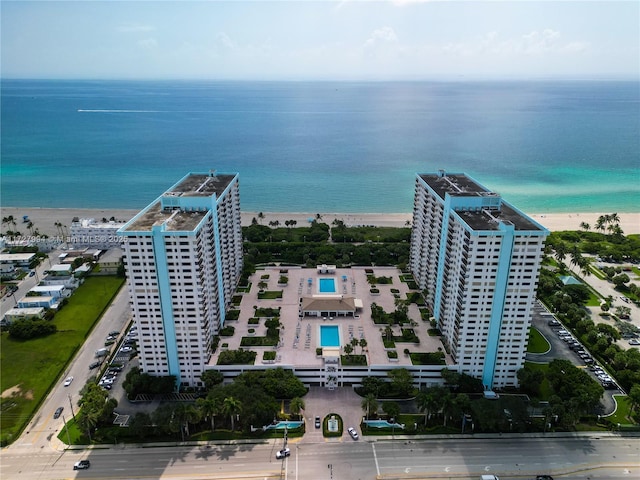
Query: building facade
(183,258)
(477,258)
(87,232)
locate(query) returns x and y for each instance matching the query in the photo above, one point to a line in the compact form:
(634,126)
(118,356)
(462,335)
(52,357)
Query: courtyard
(311,301)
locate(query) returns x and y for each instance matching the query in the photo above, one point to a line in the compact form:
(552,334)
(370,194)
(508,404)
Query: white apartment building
(183,258)
(478,259)
(87,232)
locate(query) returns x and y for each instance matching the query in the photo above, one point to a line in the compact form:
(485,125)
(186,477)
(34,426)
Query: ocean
(347,147)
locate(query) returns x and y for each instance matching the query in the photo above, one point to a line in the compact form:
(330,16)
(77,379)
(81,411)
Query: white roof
(16,257)
(47,288)
(25,311)
(39,298)
(59,268)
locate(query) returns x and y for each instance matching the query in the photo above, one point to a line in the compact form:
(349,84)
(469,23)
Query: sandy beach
(45,219)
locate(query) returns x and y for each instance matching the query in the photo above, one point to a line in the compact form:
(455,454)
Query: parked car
(58,412)
(317,422)
(94,365)
(285,452)
(353,433)
(82,465)
(544,477)
(32,273)
(114,333)
(68,381)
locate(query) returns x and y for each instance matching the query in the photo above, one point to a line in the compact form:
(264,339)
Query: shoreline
(45,219)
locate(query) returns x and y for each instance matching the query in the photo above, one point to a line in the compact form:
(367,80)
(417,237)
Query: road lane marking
(375,458)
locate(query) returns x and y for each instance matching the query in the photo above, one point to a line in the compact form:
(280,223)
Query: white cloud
(534,43)
(225,41)
(384,35)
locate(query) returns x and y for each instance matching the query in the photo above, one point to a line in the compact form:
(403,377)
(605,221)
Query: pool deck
(301,352)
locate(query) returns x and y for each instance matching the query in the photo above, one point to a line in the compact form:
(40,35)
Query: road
(607,457)
(43,428)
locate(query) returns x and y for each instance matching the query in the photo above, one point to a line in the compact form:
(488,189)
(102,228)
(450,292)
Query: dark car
(317,422)
(58,412)
(544,477)
(94,365)
(82,465)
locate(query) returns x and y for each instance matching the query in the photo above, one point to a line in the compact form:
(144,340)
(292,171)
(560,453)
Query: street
(509,457)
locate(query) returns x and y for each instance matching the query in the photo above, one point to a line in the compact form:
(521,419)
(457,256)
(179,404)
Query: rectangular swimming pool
(329,336)
(327,285)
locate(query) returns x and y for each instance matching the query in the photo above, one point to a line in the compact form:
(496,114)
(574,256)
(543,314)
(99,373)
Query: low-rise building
(55,291)
(17,259)
(38,301)
(87,232)
(23,313)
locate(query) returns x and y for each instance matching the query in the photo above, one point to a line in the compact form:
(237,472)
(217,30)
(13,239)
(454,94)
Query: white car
(68,381)
(353,433)
(285,452)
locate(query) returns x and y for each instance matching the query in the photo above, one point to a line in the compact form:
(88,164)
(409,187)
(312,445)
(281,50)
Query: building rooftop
(478,207)
(201,185)
(174,220)
(183,206)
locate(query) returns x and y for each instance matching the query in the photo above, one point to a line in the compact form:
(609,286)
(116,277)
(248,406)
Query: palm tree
(600,223)
(363,345)
(428,401)
(369,404)
(614,218)
(210,407)
(231,407)
(585,226)
(296,405)
(447,406)
(260,217)
(354,343)
(348,349)
(561,251)
(192,414)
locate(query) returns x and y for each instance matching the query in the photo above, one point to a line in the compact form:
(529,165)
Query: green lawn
(31,367)
(537,343)
(623,411)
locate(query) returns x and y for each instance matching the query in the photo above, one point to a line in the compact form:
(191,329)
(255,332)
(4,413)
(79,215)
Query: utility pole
(71,405)
(67,429)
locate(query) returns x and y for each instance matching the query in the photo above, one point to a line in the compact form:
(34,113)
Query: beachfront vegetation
(319,243)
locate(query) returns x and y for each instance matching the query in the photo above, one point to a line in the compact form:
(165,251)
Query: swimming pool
(382,424)
(329,336)
(327,285)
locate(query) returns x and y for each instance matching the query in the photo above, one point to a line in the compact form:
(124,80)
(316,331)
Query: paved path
(320,402)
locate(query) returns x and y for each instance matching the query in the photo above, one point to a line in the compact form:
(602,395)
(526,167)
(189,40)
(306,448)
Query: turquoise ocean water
(321,146)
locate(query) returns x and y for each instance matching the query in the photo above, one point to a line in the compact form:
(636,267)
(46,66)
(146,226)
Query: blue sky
(401,39)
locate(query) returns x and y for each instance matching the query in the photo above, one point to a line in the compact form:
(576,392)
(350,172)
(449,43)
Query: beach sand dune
(45,220)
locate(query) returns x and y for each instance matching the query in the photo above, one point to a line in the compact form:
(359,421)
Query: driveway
(320,402)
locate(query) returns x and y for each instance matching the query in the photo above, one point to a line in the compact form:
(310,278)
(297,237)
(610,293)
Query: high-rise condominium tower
(478,259)
(183,257)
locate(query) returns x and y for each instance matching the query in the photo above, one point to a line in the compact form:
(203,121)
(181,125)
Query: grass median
(30,368)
